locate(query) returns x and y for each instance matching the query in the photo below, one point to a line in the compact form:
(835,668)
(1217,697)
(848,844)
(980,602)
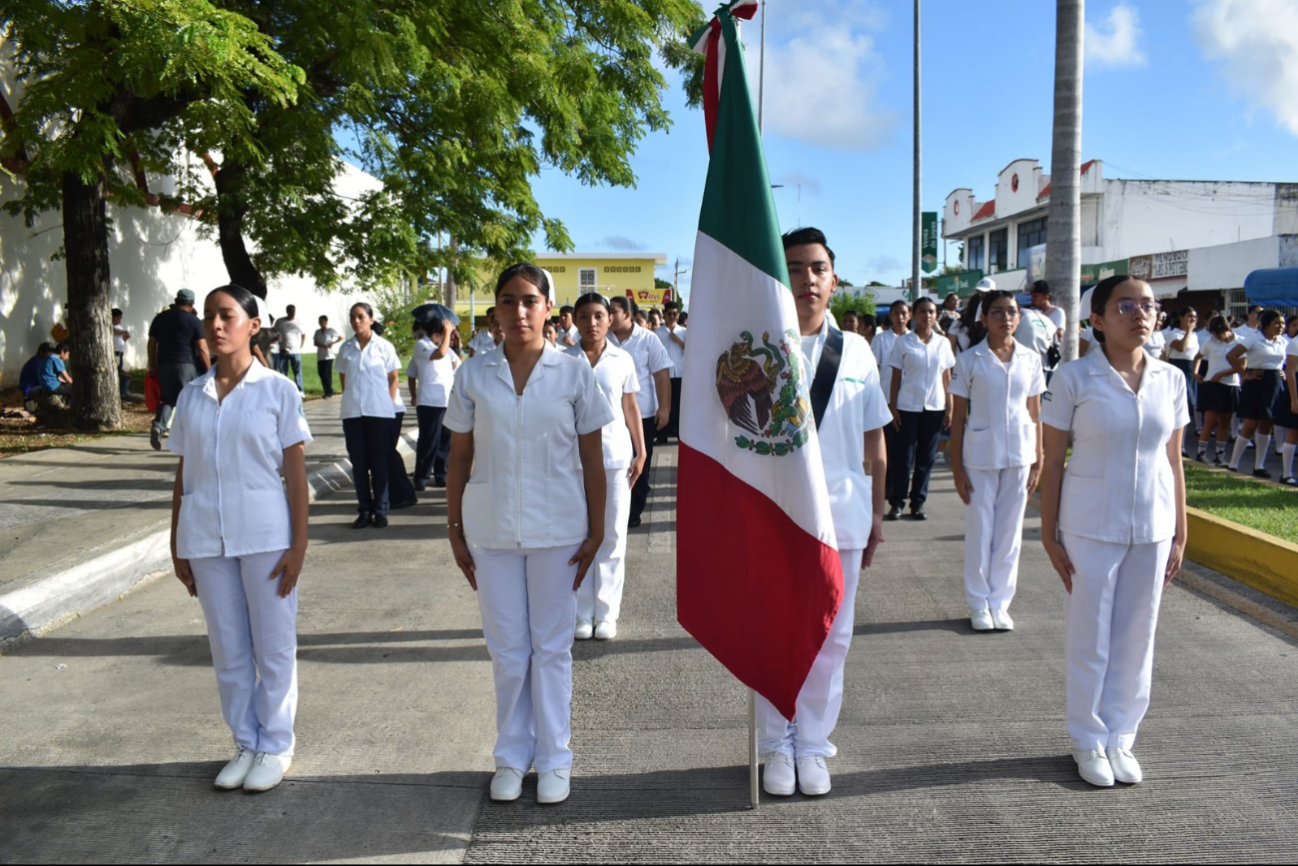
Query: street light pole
(915,228)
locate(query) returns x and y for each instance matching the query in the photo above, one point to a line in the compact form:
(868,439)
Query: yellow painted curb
(1262,561)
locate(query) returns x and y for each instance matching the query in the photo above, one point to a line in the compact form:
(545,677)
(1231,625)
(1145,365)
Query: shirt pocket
(1081,504)
(198,527)
(980,448)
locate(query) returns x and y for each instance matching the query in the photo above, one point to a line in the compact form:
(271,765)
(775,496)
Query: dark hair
(1267,318)
(1254,308)
(867,320)
(323,319)
(671,305)
(62,347)
(527,271)
(626,305)
(949,296)
(117,312)
(1218,326)
(1183,312)
(925,300)
(804,236)
(847,313)
(290,309)
(986,300)
(241,296)
(45,349)
(1041,287)
(590,298)
(684,315)
(490,312)
(567,308)
(377,328)
(1104,290)
(369,311)
(969,318)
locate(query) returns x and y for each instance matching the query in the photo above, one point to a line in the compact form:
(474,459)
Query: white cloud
(1256,42)
(822,81)
(1115,44)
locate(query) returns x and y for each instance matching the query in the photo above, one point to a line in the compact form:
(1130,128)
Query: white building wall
(1226,266)
(1143,217)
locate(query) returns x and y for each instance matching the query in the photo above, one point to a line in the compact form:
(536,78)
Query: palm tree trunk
(1064,235)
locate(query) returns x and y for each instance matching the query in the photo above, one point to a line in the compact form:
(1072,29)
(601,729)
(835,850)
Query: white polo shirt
(233,501)
(324,339)
(1261,353)
(921,366)
(482,342)
(674,351)
(882,349)
(365,392)
(999,433)
(1118,485)
(1171,335)
(291,336)
(647,351)
(435,375)
(525,455)
(615,373)
(572,333)
(1215,352)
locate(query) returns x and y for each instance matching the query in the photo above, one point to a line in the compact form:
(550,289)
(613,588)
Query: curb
(1253,558)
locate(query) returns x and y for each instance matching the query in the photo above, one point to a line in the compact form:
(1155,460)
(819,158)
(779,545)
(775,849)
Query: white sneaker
(981,619)
(813,775)
(585,630)
(267,771)
(1093,766)
(232,776)
(1126,768)
(553,787)
(1002,621)
(506,785)
(606,630)
(779,778)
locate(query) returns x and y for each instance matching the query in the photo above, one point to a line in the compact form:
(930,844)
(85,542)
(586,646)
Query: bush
(841,302)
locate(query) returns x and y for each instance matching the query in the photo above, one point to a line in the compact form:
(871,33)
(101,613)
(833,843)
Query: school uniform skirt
(1282,410)
(1186,367)
(1259,395)
(1218,397)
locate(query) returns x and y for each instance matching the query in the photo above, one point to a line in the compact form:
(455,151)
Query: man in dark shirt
(29,380)
(177,352)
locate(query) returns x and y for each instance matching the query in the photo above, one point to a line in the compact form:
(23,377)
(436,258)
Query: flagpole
(754,794)
(916,251)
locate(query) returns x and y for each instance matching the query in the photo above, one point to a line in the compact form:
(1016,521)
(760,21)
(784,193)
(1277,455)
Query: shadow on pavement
(959,626)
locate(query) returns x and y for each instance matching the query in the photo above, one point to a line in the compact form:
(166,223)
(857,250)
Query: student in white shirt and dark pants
(881,346)
(653,368)
(995,456)
(238,540)
(1113,521)
(523,419)
(367,372)
(673,339)
(431,374)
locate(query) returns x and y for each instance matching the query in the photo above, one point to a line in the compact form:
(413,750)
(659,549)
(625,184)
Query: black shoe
(421,486)
(405,503)
(379,521)
(155,438)
(1261,473)
(1202,457)
(439,482)
(361,522)
(917,513)
(1233,468)
(894,513)
(633,523)
(1289,480)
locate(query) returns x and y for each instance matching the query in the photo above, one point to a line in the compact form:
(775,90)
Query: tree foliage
(841,302)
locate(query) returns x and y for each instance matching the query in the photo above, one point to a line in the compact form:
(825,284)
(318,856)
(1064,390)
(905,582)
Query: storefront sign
(1160,266)
(1092,274)
(928,242)
(649,297)
(962,283)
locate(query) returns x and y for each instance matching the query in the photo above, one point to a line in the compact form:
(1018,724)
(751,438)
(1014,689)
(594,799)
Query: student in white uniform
(1286,414)
(566,334)
(968,329)
(673,337)
(367,373)
(1262,353)
(1182,347)
(995,457)
(1218,388)
(239,534)
(850,414)
(1114,543)
(523,419)
(653,371)
(430,376)
(921,406)
(599,601)
(484,340)
(881,347)
(401,491)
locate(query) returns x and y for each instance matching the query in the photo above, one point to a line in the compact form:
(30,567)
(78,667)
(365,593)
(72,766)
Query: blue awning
(1272,287)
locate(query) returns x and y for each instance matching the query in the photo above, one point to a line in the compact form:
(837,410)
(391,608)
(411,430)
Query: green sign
(1092,274)
(962,284)
(928,242)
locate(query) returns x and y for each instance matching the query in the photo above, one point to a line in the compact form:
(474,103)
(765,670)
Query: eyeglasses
(1004,314)
(1127,309)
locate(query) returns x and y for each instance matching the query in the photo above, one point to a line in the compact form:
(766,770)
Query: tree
(662,284)
(1064,235)
(105,83)
(841,302)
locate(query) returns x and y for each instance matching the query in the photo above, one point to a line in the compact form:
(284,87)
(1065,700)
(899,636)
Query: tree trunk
(450,275)
(96,401)
(1064,230)
(232,207)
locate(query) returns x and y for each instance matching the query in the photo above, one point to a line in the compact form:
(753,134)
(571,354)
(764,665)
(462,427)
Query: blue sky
(1179,89)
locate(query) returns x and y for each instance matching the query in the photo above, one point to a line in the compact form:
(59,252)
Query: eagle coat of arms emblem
(764,392)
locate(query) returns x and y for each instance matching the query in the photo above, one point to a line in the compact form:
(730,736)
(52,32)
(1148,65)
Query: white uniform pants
(821,698)
(600,596)
(993,536)
(1112,615)
(529,612)
(253,634)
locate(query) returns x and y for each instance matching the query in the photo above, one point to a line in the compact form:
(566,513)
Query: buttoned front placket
(517,433)
(1136,401)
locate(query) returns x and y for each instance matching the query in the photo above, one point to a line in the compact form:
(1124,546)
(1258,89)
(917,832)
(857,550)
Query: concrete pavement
(952,744)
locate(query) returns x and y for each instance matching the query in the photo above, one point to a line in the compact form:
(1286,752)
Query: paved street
(952,744)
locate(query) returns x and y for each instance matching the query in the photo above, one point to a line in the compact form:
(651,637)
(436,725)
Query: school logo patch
(763,390)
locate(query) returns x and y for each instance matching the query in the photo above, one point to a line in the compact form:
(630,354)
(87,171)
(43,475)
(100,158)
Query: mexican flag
(758,578)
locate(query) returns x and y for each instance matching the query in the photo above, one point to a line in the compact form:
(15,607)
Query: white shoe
(813,775)
(1002,621)
(981,619)
(606,630)
(267,771)
(553,787)
(1126,768)
(506,785)
(1093,766)
(779,779)
(232,776)
(585,630)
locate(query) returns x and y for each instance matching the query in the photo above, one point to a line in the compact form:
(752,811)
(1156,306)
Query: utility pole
(1063,227)
(915,228)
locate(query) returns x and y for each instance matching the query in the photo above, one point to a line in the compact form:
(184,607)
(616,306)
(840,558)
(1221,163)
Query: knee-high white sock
(1241,445)
(1287,452)
(1279,433)
(1263,444)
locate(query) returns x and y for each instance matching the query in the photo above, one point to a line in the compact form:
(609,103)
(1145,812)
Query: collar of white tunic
(550,357)
(1097,364)
(207,381)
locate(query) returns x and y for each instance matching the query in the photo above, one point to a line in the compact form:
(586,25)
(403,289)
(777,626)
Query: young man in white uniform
(325,338)
(652,367)
(673,338)
(881,346)
(430,375)
(566,335)
(850,415)
(484,340)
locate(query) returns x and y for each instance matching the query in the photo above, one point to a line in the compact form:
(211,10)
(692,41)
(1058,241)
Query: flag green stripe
(738,208)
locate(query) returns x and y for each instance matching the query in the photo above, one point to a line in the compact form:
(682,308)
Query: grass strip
(1264,507)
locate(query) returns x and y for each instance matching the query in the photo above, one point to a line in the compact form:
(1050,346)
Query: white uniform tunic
(674,351)
(921,366)
(647,351)
(1000,444)
(434,375)
(1215,352)
(1261,353)
(882,349)
(233,527)
(1191,344)
(366,391)
(1117,518)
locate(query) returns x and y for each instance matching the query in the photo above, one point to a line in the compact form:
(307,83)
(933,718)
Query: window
(998,250)
(1031,234)
(974,254)
(585,280)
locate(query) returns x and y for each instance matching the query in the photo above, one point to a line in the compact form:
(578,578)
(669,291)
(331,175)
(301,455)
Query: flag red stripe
(712,80)
(753,587)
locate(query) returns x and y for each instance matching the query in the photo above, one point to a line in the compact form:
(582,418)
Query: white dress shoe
(1093,766)
(1002,621)
(232,776)
(1126,768)
(585,630)
(779,779)
(606,630)
(813,775)
(267,771)
(981,619)
(553,787)
(506,785)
